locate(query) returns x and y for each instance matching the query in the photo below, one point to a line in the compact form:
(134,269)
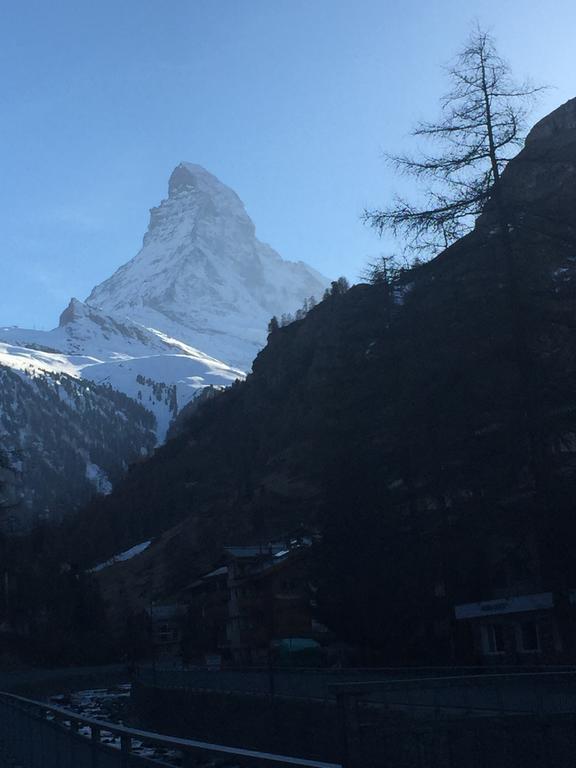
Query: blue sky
(290,102)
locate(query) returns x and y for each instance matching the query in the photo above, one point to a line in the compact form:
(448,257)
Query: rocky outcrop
(558,127)
(542,178)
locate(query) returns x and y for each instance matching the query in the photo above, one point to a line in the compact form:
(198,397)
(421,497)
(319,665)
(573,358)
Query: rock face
(203,277)
(538,182)
(558,126)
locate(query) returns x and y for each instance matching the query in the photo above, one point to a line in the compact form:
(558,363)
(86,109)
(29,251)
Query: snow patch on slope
(160,372)
(99,478)
(128,554)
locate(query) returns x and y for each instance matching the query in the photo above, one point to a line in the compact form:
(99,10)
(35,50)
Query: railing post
(95,734)
(347,695)
(125,749)
(45,736)
(30,739)
(342,709)
(74,727)
(271,681)
(187,759)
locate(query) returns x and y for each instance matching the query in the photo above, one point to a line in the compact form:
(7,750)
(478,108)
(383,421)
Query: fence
(39,735)
(496,694)
(513,741)
(516,690)
(300,683)
(461,721)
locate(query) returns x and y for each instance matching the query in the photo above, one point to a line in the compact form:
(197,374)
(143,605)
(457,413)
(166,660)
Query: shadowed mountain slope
(401,424)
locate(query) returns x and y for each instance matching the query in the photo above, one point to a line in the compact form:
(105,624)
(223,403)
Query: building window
(529,637)
(166,634)
(440,589)
(493,638)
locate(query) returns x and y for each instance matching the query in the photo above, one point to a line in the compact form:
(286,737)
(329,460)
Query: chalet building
(269,599)
(520,629)
(207,601)
(167,622)
(259,599)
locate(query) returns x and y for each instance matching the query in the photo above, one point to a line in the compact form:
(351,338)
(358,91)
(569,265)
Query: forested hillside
(64,440)
(399,421)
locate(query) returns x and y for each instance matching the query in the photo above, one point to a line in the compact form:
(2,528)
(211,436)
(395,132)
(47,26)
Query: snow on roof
(168,611)
(217,572)
(255,550)
(222,571)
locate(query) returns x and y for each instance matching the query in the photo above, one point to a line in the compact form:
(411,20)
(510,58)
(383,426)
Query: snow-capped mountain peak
(202,276)
(189,176)
(189,311)
(73,311)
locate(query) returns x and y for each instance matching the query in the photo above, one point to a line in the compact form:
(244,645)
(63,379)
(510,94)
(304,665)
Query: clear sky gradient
(290,102)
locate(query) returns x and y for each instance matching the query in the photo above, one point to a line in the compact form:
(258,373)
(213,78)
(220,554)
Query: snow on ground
(161,373)
(99,478)
(128,554)
(36,362)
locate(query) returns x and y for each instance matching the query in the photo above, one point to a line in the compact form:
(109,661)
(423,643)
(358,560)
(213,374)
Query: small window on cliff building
(529,637)
(166,633)
(493,638)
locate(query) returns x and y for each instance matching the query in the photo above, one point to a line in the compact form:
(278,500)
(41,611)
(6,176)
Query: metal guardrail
(39,735)
(502,720)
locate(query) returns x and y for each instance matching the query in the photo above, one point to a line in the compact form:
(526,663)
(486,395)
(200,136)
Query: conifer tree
(273,325)
(482,123)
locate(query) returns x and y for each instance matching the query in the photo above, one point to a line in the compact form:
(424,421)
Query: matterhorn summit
(189,311)
(203,277)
